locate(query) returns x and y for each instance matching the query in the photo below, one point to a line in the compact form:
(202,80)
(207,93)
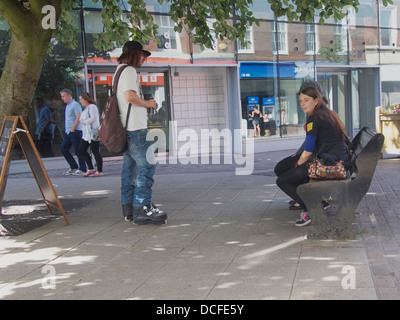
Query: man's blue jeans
(73,139)
(137,172)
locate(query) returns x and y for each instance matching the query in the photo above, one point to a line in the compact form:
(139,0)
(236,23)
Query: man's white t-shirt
(129,80)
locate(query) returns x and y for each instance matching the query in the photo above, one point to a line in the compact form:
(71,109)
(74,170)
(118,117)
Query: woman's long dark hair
(88,97)
(322,111)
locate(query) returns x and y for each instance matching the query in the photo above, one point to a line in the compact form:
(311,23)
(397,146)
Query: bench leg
(330,225)
(343,225)
(312,195)
(320,227)
(324,224)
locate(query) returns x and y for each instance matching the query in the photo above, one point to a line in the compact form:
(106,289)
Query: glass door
(353,94)
(100,86)
(155,84)
(336,87)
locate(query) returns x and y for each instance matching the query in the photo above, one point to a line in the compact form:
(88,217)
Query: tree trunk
(25,57)
(21,73)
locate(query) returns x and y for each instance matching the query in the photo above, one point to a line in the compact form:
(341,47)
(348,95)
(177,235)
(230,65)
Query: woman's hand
(305,156)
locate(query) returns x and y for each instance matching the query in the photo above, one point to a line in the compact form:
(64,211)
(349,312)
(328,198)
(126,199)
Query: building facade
(357,61)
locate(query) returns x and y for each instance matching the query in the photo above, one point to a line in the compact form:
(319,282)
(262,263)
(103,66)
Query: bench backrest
(366,137)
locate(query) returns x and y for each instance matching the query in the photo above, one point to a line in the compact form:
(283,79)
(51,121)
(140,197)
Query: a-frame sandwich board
(15,127)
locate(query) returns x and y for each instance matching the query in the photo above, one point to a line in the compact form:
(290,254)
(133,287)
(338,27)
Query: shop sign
(269,101)
(304,70)
(253,100)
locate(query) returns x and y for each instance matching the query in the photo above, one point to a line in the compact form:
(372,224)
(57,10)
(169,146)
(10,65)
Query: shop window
(168,38)
(340,37)
(280,28)
(366,14)
(248,48)
(93,22)
(214,43)
(388,25)
(91,4)
(155,6)
(311,39)
(390,93)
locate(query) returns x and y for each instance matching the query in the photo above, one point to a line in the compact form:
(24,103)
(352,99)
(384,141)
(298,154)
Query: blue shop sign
(299,69)
(269,101)
(253,100)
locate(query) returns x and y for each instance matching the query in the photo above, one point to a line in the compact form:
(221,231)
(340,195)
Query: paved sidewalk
(380,220)
(227,237)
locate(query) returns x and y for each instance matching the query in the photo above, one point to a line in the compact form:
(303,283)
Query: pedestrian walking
(73,133)
(90,121)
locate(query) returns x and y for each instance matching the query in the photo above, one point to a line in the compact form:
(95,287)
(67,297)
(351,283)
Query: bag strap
(127,116)
(116,79)
(115,87)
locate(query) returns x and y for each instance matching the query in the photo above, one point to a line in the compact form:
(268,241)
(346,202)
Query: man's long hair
(132,58)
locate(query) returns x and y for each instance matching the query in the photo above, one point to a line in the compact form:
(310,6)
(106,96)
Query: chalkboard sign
(6,142)
(16,127)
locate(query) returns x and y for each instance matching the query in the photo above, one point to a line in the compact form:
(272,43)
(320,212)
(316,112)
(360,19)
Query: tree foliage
(129,19)
(230,18)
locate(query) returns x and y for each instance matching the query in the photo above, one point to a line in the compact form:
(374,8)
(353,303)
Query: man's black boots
(127,211)
(149,214)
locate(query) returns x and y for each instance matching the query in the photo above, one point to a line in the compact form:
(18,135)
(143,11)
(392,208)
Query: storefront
(274,87)
(190,99)
(352,91)
(154,82)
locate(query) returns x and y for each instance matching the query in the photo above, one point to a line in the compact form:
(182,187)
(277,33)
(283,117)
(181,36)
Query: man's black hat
(134,45)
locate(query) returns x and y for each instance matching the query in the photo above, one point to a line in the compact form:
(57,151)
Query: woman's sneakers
(93,173)
(89,172)
(305,219)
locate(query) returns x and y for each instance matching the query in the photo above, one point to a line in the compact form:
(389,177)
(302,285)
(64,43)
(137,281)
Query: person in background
(90,121)
(73,133)
(45,128)
(256,115)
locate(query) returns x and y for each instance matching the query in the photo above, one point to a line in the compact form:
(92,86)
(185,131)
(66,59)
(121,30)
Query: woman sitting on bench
(325,137)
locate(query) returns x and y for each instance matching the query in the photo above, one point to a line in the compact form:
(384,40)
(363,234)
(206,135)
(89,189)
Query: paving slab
(228,237)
